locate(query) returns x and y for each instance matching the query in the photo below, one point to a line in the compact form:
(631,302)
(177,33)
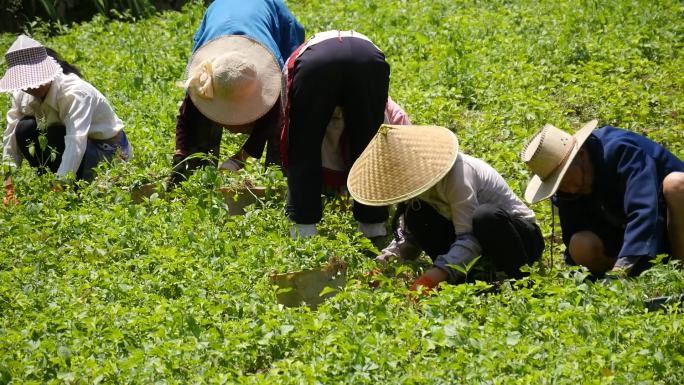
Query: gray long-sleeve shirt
(470,182)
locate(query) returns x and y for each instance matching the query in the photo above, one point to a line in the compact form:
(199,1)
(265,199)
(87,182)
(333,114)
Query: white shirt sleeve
(76,111)
(11,155)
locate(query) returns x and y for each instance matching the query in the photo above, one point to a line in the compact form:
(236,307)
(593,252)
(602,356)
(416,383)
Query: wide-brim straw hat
(549,154)
(233,79)
(400,163)
(28,66)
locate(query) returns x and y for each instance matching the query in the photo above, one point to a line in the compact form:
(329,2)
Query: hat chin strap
(201,80)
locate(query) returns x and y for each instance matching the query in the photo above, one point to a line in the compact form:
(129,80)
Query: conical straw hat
(548,155)
(401,162)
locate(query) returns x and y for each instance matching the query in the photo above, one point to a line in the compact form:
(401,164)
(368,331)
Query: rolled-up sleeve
(76,111)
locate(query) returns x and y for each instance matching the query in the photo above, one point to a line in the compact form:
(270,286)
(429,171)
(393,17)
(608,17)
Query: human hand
(427,282)
(623,267)
(9,199)
(57,187)
(231,165)
(386,257)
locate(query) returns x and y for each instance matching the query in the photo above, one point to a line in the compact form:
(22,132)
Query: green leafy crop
(174,290)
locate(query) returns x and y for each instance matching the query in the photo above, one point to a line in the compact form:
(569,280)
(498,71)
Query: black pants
(49,156)
(507,241)
(43,159)
(350,73)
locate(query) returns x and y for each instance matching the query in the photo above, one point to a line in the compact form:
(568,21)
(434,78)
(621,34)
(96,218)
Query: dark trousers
(44,158)
(350,73)
(507,241)
(49,156)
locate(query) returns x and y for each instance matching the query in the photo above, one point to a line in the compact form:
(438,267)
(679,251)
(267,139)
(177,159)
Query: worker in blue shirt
(267,23)
(620,196)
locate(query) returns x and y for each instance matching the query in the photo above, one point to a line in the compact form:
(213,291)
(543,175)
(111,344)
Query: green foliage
(95,289)
(27,15)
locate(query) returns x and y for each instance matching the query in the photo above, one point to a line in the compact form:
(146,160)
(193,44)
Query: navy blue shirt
(626,207)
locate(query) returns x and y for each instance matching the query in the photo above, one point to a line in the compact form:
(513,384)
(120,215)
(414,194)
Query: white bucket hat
(400,163)
(233,79)
(28,66)
(548,155)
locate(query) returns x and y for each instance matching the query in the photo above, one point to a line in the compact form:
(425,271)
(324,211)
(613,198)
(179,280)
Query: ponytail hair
(67,67)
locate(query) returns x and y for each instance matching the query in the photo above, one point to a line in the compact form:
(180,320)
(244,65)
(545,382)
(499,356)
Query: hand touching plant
(9,198)
(235,162)
(429,280)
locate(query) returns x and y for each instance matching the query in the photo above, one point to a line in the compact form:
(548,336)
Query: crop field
(95,289)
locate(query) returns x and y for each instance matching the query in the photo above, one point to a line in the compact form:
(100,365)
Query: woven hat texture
(548,155)
(401,162)
(28,66)
(233,79)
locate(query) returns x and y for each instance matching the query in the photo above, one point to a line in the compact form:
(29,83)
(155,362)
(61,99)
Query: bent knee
(25,128)
(584,245)
(673,187)
(485,215)
(587,249)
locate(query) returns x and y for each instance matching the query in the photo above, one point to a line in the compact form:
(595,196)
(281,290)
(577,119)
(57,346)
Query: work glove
(386,256)
(298,230)
(231,165)
(623,267)
(9,198)
(427,283)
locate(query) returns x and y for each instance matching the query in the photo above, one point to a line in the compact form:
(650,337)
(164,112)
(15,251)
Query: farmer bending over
(337,97)
(51,101)
(234,82)
(457,206)
(620,196)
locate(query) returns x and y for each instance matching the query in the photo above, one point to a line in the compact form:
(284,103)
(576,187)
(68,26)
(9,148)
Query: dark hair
(67,68)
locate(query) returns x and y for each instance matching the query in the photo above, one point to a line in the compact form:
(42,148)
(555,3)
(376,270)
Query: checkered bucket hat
(28,66)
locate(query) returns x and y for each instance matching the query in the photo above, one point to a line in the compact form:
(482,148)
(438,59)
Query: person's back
(616,140)
(268,21)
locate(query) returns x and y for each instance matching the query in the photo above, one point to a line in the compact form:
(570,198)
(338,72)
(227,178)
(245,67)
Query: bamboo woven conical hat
(401,162)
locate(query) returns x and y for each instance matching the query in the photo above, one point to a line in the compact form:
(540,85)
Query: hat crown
(25,51)
(234,76)
(548,150)
(28,65)
(23,42)
(401,162)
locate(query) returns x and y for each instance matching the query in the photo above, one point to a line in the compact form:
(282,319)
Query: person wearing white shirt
(457,206)
(58,121)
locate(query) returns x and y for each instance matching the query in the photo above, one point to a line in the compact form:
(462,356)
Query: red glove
(9,198)
(427,282)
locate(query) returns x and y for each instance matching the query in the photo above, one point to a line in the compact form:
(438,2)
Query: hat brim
(248,109)
(538,189)
(34,75)
(400,163)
